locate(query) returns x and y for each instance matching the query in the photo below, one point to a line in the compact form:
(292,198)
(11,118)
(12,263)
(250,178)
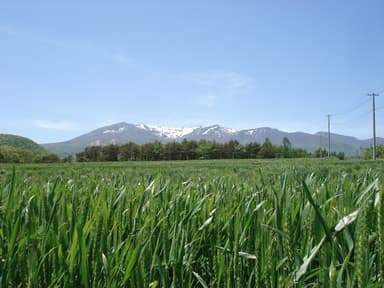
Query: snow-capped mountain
(212,133)
(171,133)
(122,133)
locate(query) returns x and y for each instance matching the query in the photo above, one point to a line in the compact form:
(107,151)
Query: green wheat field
(225,223)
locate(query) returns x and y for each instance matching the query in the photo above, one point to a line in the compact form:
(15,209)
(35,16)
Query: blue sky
(70,67)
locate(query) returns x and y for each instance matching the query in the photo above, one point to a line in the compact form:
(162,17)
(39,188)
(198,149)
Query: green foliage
(379,152)
(50,158)
(9,154)
(231,223)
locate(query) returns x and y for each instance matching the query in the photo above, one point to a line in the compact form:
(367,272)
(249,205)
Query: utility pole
(329,135)
(373,95)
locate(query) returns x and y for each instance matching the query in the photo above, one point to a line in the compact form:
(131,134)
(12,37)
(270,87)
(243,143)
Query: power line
(355,107)
(359,116)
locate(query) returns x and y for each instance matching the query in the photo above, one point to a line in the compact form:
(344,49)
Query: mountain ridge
(123,132)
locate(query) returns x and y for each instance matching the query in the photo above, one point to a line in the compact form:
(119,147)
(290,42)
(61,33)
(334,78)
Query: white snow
(258,131)
(121,129)
(141,126)
(217,130)
(172,133)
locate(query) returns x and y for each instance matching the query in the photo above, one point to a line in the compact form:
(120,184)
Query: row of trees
(190,150)
(185,150)
(10,154)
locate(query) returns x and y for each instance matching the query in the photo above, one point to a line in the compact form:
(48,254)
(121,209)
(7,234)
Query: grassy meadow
(224,223)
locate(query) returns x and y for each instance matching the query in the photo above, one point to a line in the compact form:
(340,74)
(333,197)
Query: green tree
(299,153)
(267,149)
(50,158)
(231,149)
(205,149)
(81,157)
(319,153)
(157,151)
(379,152)
(110,152)
(286,148)
(252,150)
(11,154)
(68,159)
(176,151)
(93,153)
(190,150)
(129,152)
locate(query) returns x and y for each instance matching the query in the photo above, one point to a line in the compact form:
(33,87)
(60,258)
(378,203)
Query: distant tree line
(321,153)
(190,150)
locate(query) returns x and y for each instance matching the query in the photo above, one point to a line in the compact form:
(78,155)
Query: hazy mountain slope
(119,133)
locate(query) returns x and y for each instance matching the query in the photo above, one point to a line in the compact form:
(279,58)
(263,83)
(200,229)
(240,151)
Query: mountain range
(123,132)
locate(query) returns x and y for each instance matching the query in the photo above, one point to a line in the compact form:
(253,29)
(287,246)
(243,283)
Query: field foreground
(244,223)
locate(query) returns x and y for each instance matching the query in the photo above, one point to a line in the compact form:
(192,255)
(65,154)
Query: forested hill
(21,142)
(17,149)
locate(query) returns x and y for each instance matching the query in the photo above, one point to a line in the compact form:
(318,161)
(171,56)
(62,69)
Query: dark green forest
(190,150)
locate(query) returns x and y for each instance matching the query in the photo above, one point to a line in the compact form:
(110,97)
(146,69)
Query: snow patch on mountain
(259,131)
(166,132)
(218,130)
(119,130)
(251,132)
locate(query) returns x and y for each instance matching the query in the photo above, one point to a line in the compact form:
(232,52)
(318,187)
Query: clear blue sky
(67,68)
